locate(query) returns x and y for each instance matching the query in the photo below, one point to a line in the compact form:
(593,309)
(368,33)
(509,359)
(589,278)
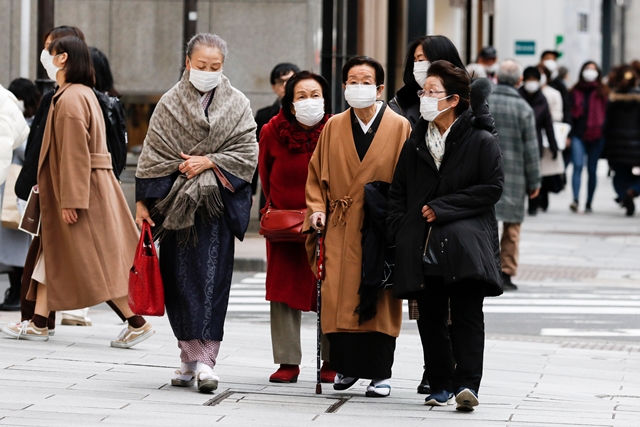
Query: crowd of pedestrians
(418,186)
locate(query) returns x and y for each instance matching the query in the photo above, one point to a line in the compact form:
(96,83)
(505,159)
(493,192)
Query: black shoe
(507,285)
(424,387)
(627,203)
(574,206)
(11,301)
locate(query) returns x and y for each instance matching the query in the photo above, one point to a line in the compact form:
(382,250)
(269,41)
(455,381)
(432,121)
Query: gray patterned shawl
(178,124)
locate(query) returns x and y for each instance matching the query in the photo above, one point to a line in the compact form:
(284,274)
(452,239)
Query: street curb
(249,264)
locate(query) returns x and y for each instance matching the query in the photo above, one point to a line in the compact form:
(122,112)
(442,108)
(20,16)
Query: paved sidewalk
(76,379)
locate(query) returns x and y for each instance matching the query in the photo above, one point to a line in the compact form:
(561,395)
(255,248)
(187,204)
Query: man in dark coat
(279,76)
(516,125)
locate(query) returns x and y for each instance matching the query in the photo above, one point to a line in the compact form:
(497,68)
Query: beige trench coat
(87,262)
(336,176)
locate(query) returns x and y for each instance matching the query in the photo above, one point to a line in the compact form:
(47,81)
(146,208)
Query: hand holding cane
(320,260)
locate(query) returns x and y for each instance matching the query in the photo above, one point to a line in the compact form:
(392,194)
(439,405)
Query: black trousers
(454,354)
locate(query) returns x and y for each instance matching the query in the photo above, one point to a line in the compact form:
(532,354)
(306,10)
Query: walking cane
(320,260)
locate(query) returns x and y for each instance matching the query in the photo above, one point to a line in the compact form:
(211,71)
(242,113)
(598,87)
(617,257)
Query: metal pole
(607,28)
(25,27)
(469,27)
(45,23)
(190,25)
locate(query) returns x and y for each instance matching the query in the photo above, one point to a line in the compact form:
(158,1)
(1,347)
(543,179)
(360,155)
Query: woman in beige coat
(88,236)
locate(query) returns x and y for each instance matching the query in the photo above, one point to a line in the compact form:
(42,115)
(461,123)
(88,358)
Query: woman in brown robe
(356,147)
(88,236)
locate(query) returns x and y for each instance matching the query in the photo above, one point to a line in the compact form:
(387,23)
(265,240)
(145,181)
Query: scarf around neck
(179,124)
(596,109)
(294,137)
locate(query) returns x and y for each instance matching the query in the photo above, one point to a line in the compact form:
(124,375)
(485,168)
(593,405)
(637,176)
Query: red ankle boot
(285,374)
(326,373)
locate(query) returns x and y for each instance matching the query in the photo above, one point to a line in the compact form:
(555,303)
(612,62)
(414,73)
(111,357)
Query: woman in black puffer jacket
(621,134)
(448,178)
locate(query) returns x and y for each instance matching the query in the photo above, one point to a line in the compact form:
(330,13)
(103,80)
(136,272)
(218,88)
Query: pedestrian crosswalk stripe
(561,332)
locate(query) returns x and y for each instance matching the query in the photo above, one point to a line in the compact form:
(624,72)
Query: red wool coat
(285,151)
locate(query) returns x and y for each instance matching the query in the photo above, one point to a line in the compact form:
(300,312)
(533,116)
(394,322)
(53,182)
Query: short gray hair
(509,73)
(207,40)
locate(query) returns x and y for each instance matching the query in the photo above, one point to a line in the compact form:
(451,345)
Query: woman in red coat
(286,145)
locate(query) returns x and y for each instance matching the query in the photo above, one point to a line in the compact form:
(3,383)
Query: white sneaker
(185,376)
(26,330)
(132,336)
(76,317)
(207,380)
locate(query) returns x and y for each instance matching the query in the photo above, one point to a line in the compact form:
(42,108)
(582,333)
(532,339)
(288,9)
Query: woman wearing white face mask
(588,110)
(442,220)
(356,147)
(287,143)
(531,91)
(194,176)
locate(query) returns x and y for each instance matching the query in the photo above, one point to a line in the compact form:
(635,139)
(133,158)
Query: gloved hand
(554,153)
(318,220)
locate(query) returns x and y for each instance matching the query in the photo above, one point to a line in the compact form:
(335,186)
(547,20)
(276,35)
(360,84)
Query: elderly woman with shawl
(192,184)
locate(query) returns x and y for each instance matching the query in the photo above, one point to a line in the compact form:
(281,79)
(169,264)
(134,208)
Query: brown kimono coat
(87,262)
(335,185)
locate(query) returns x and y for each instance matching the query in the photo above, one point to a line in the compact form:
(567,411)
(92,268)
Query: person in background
(516,126)
(531,91)
(29,173)
(447,181)
(588,109)
(105,85)
(549,59)
(197,184)
(488,58)
(278,78)
(286,146)
(13,134)
(356,147)
(14,244)
(78,191)
(621,135)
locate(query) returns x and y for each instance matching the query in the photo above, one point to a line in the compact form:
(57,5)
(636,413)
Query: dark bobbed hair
(25,90)
(435,48)
(282,69)
(455,81)
(602,89)
(102,69)
(363,60)
(289,89)
(625,78)
(530,72)
(78,68)
(63,31)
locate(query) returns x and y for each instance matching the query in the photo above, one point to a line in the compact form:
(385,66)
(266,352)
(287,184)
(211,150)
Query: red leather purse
(146,291)
(282,225)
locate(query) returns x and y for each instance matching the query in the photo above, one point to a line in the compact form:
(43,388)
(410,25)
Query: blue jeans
(624,180)
(592,150)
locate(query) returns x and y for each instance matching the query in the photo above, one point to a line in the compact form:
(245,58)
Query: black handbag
(430,265)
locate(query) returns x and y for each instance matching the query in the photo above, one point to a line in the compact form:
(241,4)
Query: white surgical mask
(205,81)
(543,79)
(492,69)
(309,111)
(552,66)
(361,96)
(532,86)
(429,107)
(21,105)
(47,62)
(420,72)
(590,75)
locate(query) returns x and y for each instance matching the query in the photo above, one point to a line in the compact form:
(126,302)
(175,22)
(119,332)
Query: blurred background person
(17,103)
(622,136)
(516,126)
(488,58)
(286,146)
(588,109)
(278,78)
(549,59)
(531,91)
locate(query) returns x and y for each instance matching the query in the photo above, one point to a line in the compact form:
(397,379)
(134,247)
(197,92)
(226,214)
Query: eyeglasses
(430,93)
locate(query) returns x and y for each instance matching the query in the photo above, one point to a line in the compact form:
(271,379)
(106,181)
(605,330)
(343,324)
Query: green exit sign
(525,47)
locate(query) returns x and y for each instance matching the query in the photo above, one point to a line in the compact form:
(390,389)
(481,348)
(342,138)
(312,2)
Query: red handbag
(146,291)
(282,225)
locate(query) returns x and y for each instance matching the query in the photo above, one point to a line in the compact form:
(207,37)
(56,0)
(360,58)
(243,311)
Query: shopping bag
(30,222)
(146,291)
(10,213)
